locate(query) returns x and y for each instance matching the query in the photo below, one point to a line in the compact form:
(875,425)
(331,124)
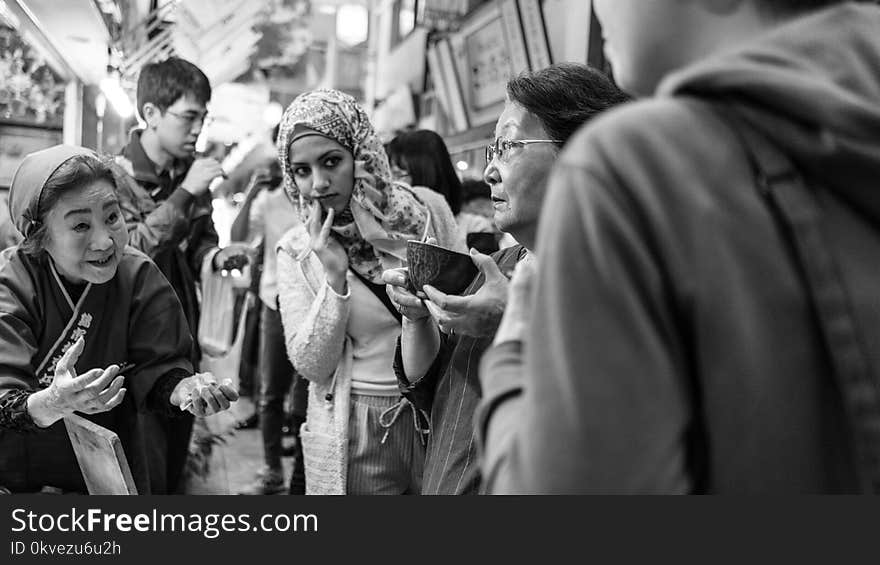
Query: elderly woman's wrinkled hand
(201,395)
(329,251)
(95,391)
(408,304)
(477,315)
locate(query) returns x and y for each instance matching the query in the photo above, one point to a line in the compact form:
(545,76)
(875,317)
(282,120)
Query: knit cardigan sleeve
(314,316)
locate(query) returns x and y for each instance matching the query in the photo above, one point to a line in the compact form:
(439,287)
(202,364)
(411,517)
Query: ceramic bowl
(446,270)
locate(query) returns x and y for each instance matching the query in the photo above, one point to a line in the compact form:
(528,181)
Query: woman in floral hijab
(382,214)
(360,436)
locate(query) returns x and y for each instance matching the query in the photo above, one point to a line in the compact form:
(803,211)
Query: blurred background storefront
(443,64)
(68,69)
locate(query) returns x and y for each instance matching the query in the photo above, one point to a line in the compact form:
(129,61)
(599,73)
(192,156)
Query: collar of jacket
(143,168)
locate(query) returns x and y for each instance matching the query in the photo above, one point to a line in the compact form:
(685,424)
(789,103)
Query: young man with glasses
(705,316)
(167,204)
(443,337)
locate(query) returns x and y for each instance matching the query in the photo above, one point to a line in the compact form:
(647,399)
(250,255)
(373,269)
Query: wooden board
(100,457)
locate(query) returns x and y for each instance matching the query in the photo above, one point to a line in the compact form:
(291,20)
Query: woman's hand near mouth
(329,251)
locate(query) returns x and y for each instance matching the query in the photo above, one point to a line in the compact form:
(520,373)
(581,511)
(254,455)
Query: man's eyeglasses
(500,147)
(191,119)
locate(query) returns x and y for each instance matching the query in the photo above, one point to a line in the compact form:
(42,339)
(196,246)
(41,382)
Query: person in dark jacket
(165,198)
(684,335)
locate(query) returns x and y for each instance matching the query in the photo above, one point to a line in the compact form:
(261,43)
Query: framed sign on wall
(532,16)
(447,85)
(488,50)
(510,16)
(404,20)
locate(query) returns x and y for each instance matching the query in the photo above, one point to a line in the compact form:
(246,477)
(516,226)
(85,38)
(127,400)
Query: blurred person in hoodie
(703,314)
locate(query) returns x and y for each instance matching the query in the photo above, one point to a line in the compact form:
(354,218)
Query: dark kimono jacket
(134,319)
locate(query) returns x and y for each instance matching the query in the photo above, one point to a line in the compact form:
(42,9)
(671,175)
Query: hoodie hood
(29,180)
(812,87)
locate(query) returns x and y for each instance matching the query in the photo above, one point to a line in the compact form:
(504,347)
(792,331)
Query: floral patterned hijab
(382,214)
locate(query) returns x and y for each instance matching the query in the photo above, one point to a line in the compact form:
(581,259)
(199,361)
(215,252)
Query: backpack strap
(794,203)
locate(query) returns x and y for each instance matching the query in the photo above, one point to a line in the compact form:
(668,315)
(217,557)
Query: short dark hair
(77,171)
(564,96)
(423,154)
(162,84)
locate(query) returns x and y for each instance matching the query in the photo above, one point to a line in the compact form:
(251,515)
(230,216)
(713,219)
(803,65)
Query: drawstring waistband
(395,411)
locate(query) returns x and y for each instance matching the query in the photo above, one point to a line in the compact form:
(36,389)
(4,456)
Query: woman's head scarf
(29,180)
(382,214)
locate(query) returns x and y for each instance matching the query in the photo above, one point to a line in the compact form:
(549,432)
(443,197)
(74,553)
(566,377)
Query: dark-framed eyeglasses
(501,147)
(192,119)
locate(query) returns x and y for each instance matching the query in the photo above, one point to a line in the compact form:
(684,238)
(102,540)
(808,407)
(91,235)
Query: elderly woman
(87,325)
(360,437)
(444,337)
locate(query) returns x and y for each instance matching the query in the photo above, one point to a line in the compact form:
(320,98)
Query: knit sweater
(331,349)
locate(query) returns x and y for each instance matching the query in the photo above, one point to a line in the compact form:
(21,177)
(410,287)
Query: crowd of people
(676,286)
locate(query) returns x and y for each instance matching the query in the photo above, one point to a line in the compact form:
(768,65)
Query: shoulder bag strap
(379,291)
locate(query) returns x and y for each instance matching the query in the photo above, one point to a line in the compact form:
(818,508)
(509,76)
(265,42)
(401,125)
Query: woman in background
(420,158)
